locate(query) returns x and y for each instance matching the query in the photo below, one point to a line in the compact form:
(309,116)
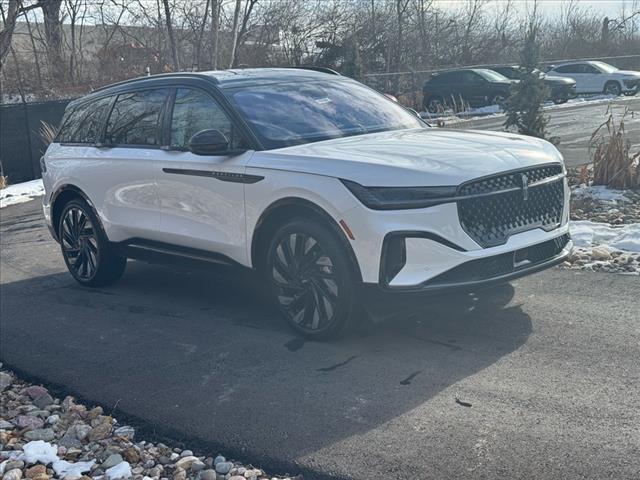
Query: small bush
(613,163)
(47,133)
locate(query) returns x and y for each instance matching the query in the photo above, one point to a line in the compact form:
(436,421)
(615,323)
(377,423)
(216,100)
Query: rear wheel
(612,88)
(560,99)
(85,248)
(498,99)
(311,279)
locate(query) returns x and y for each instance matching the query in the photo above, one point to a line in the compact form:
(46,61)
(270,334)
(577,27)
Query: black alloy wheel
(85,248)
(310,279)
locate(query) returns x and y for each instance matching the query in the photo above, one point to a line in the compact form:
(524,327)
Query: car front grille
(494,208)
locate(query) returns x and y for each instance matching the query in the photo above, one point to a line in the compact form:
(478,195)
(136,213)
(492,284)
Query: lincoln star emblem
(525,187)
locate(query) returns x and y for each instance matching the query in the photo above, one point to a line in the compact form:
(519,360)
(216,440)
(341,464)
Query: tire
(560,99)
(498,99)
(434,104)
(612,88)
(630,94)
(311,279)
(85,248)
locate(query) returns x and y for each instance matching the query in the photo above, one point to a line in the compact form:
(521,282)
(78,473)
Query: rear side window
(194,111)
(577,68)
(135,118)
(84,123)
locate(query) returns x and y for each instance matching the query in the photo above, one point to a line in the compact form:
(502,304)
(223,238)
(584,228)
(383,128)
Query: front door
(202,196)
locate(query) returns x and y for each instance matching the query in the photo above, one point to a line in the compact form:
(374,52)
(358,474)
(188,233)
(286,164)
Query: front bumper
(379,297)
(632,85)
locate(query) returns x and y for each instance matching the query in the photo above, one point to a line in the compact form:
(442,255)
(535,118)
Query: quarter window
(194,111)
(135,118)
(85,122)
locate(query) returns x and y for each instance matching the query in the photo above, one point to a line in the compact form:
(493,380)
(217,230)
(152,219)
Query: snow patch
(121,470)
(72,471)
(21,192)
(601,193)
(587,234)
(40,451)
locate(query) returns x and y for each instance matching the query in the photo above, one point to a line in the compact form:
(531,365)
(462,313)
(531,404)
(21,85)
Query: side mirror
(209,142)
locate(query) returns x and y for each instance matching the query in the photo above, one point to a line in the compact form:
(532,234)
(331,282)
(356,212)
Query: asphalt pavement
(574,124)
(535,380)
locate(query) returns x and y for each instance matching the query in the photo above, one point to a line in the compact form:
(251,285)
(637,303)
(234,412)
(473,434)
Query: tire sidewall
(344,275)
(100,239)
(615,85)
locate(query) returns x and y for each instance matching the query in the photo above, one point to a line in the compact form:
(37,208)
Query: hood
(416,157)
(555,80)
(628,73)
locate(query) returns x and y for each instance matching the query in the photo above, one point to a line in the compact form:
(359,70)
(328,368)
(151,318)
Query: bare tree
(172,39)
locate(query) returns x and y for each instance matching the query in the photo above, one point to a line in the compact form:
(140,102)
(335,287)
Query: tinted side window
(135,118)
(570,69)
(194,111)
(84,123)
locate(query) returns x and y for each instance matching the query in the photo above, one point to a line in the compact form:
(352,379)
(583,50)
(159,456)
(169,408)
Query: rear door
(202,196)
(578,72)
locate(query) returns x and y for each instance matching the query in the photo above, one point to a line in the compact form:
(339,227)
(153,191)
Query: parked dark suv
(478,87)
(561,89)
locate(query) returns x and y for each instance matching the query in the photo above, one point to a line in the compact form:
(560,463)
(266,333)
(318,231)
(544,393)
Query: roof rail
(327,70)
(159,75)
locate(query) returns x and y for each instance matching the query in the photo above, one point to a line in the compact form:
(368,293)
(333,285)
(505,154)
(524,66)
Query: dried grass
(4,182)
(47,133)
(613,163)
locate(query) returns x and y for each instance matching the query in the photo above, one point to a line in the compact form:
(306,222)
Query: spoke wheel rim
(79,243)
(305,280)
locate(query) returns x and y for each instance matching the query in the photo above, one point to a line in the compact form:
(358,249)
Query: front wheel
(86,251)
(560,99)
(311,279)
(612,88)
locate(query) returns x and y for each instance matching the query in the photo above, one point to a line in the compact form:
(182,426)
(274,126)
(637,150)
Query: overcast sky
(551,7)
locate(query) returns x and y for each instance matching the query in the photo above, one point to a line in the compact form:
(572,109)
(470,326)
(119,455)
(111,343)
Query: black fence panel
(21,145)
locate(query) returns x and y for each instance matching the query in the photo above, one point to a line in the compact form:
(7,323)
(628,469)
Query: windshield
(605,67)
(286,114)
(492,76)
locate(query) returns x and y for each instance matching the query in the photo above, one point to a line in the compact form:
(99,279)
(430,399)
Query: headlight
(399,198)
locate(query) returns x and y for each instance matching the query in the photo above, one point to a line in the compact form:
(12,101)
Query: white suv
(599,77)
(328,189)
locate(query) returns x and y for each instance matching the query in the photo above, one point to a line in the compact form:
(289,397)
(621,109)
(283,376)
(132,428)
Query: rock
(237,477)
(131,455)
(186,453)
(43,401)
(15,474)
(94,413)
(163,460)
(81,431)
(5,381)
(44,434)
(35,391)
(69,440)
(180,475)
(600,253)
(219,459)
(154,472)
(100,431)
(4,425)
(186,462)
(41,476)
(208,475)
(125,431)
(36,470)
(174,456)
(27,421)
(14,464)
(198,466)
(112,461)
(224,467)
(51,419)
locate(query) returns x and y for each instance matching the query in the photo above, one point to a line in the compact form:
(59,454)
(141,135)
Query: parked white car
(599,77)
(330,190)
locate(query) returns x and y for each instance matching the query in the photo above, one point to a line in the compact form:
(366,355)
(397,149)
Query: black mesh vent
(491,220)
(503,264)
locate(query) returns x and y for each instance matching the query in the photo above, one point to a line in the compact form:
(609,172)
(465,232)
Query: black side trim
(159,252)
(223,176)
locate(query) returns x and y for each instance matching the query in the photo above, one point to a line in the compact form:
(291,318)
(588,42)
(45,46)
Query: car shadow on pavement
(199,355)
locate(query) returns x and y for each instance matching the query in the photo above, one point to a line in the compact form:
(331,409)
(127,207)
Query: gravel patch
(43,438)
(605,226)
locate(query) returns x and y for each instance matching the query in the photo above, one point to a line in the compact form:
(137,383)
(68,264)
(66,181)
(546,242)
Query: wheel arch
(63,195)
(286,208)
